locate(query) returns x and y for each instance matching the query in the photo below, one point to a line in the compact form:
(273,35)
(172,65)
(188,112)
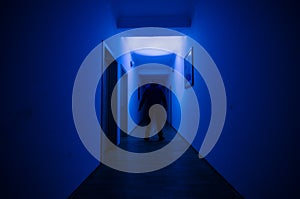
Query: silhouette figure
(153,95)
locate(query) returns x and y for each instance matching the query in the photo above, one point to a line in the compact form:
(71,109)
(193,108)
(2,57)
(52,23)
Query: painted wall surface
(43,45)
(254,45)
(183,101)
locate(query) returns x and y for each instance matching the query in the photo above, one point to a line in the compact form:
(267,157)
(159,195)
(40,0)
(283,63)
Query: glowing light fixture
(152,52)
(153,45)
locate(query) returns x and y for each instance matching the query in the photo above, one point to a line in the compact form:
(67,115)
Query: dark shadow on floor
(139,145)
(188,177)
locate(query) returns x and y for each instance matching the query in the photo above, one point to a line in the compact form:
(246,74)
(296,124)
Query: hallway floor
(188,177)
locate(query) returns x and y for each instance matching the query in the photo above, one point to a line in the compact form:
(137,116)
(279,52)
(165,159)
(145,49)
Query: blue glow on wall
(252,42)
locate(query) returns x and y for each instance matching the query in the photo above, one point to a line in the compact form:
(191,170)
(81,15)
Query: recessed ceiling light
(152,52)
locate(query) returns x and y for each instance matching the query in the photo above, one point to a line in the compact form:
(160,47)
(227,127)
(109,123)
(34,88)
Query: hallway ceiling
(137,13)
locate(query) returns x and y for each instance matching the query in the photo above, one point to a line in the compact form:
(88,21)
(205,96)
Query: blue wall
(43,47)
(254,45)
